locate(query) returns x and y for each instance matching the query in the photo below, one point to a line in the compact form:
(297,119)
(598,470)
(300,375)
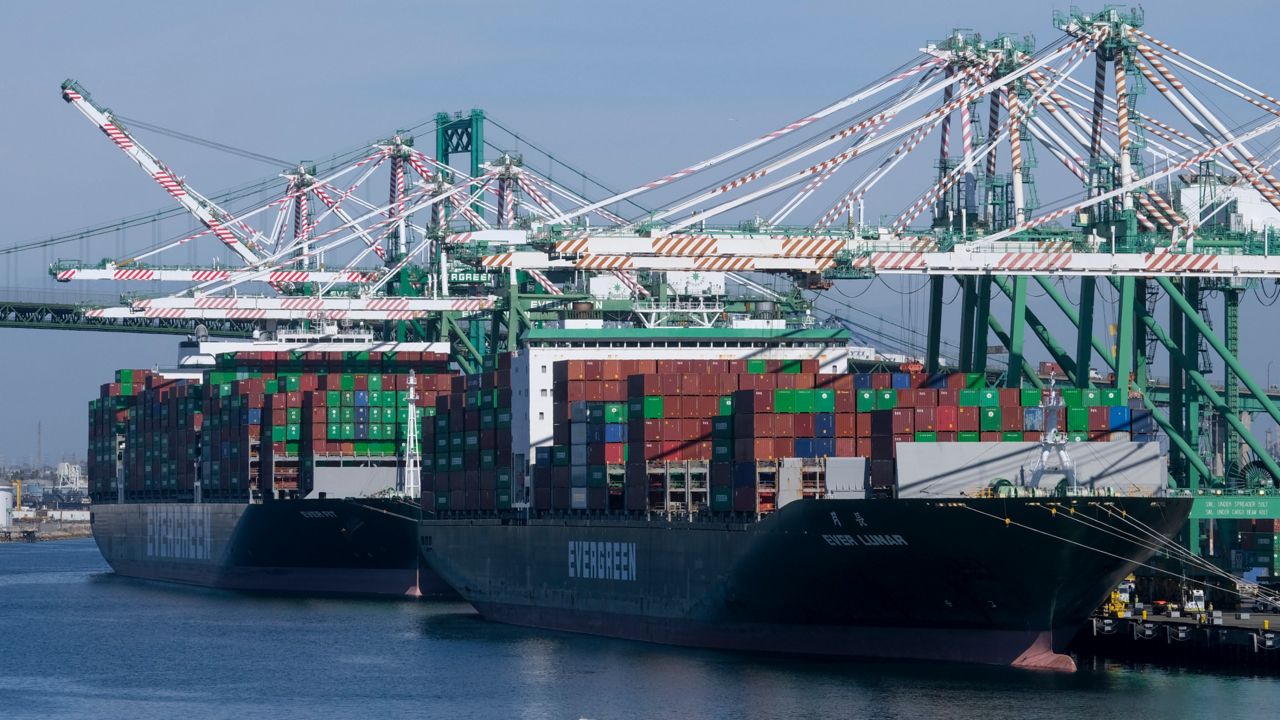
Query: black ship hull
(362,547)
(997,581)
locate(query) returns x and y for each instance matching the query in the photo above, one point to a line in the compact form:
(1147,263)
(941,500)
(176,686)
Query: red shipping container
(803,426)
(672,430)
(903,421)
(925,398)
(1099,419)
(846,447)
(945,418)
(906,398)
(989,437)
(846,425)
(784,426)
(614,453)
(948,396)
(1011,419)
(863,425)
(846,402)
(672,450)
(1010,397)
(944,436)
(804,382)
(926,419)
(881,381)
(1030,436)
(783,447)
(967,419)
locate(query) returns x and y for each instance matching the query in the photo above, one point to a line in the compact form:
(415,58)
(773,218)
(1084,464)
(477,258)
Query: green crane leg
(968,319)
(1231,387)
(1124,335)
(934,344)
(1017,329)
(1007,341)
(1191,403)
(1176,355)
(1084,332)
(1140,359)
(980,338)
(1056,351)
(1074,317)
(1227,356)
(1182,454)
(1175,438)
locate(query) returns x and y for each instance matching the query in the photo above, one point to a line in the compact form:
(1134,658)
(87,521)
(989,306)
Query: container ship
(748,491)
(268,465)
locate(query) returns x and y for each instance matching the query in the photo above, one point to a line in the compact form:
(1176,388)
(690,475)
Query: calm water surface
(79,642)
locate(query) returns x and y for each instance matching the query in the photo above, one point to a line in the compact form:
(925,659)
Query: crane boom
(208,213)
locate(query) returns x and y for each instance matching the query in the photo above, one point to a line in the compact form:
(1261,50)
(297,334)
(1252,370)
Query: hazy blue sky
(626,90)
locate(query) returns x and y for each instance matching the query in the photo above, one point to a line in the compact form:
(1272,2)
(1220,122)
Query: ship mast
(1053,442)
(410,469)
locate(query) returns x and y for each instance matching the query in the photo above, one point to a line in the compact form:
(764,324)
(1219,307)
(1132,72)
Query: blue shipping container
(901,381)
(824,425)
(805,448)
(862,381)
(1141,421)
(824,447)
(255,416)
(1033,419)
(1119,419)
(362,414)
(615,433)
(542,455)
(362,431)
(744,475)
(362,398)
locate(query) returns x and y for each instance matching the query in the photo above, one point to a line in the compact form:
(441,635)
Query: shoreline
(45,532)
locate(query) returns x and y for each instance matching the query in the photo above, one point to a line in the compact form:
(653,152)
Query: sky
(626,91)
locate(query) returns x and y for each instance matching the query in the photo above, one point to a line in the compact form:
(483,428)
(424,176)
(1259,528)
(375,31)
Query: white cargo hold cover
(846,478)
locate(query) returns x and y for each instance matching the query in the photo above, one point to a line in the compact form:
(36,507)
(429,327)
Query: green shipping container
(560,455)
(865,400)
(1111,397)
(1077,419)
(1072,397)
(968,437)
(989,419)
(293,432)
(333,431)
(348,398)
(333,414)
(291,448)
(375,382)
(722,450)
(886,399)
(348,431)
(722,427)
(757,367)
(333,398)
(278,433)
(348,414)
(292,383)
(1030,397)
(975,381)
(375,414)
(1090,397)
(989,398)
(970,397)
(653,407)
(1011,436)
(824,401)
(1077,437)
(805,401)
(784,401)
(791,367)
(726,405)
(375,398)
(926,436)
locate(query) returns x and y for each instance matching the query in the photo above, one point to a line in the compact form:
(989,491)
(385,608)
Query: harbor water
(77,641)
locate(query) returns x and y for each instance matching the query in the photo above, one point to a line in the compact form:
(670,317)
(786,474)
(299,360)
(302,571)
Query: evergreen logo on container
(595,560)
(180,532)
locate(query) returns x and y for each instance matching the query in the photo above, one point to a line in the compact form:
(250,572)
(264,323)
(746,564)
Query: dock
(1240,641)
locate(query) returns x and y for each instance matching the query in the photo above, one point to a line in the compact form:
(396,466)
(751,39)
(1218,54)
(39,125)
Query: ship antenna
(410,471)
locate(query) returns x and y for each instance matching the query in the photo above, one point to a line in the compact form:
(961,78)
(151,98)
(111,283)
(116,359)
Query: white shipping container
(578,498)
